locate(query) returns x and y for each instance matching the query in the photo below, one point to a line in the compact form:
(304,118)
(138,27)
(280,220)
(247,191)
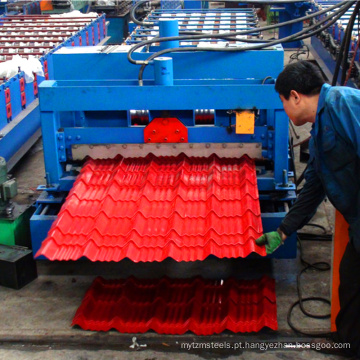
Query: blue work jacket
(334,166)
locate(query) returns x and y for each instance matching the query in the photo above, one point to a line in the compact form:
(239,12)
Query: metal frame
(85,108)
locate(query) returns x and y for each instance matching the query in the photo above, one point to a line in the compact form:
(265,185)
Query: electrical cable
(317,226)
(250,2)
(319,266)
(234,49)
(352,61)
(346,40)
(300,51)
(349,28)
(343,6)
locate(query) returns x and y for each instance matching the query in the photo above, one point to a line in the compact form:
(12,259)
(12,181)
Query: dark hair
(302,76)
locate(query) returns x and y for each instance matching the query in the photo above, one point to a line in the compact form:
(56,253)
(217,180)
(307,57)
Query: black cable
(319,266)
(345,40)
(235,49)
(343,7)
(315,237)
(318,226)
(300,51)
(349,27)
(274,2)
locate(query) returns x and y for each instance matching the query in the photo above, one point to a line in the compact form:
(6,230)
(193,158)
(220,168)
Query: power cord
(300,51)
(318,266)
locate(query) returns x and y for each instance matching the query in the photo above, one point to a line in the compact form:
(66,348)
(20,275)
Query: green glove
(271,240)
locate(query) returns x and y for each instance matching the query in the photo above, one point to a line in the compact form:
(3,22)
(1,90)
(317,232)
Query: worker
(333,170)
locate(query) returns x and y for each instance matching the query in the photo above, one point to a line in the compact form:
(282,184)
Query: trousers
(348,318)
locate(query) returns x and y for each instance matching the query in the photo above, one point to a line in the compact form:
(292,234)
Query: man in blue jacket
(333,170)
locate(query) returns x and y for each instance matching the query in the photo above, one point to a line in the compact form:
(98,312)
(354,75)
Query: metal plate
(253,150)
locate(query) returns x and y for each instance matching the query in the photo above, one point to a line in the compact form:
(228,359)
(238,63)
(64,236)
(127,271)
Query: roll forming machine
(96,108)
(39,36)
(327,44)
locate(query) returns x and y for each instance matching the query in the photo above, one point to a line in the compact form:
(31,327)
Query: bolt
(124,146)
(166,139)
(91,146)
(141,146)
(241,145)
(207,146)
(149,139)
(177,131)
(262,136)
(257,145)
(174,146)
(253,136)
(154,131)
(191,146)
(75,146)
(60,137)
(61,147)
(108,146)
(63,158)
(270,135)
(182,139)
(224,146)
(158,146)
(78,137)
(69,137)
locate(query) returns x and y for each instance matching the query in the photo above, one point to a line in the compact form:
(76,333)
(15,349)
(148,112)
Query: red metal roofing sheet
(148,209)
(174,306)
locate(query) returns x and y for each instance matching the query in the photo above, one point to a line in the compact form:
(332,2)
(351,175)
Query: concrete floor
(35,321)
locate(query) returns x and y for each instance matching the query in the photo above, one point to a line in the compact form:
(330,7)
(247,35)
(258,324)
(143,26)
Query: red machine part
(166,130)
(46,70)
(93,35)
(22,92)
(7,96)
(175,306)
(148,209)
(22,84)
(36,89)
(8,103)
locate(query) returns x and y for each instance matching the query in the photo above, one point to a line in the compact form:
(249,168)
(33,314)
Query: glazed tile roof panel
(148,209)
(175,306)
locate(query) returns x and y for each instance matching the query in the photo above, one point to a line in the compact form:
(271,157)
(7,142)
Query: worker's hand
(271,240)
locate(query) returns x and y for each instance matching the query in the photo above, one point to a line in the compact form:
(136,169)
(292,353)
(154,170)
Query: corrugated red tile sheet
(174,306)
(148,209)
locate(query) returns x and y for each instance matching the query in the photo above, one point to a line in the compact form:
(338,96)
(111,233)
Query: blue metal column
(291,12)
(163,67)
(49,125)
(281,143)
(168,28)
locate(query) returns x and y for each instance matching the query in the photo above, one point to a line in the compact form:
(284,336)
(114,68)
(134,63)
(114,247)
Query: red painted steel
(166,130)
(36,89)
(148,209)
(22,84)
(174,306)
(7,96)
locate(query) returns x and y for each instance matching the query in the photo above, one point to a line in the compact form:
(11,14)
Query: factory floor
(36,320)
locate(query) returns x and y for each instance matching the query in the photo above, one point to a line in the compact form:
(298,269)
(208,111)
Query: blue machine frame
(85,106)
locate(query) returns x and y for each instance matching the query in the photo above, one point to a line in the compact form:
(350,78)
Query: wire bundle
(312,30)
